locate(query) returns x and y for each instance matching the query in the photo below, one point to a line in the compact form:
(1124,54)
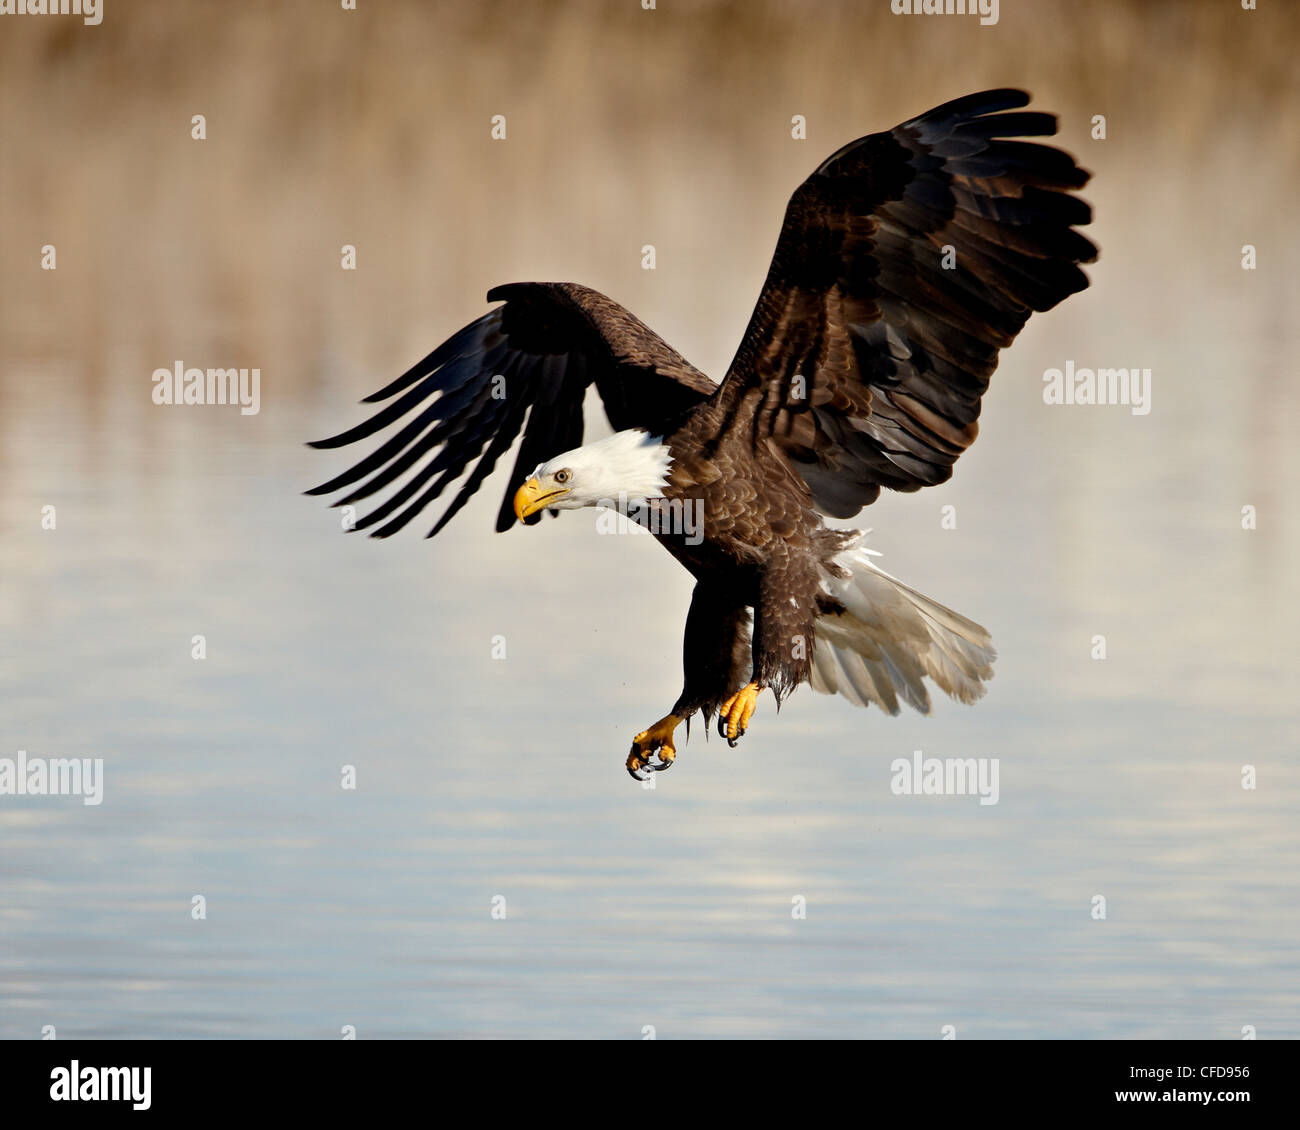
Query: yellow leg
(653,748)
(733,718)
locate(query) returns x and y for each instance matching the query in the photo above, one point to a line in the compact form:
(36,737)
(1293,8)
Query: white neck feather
(630,463)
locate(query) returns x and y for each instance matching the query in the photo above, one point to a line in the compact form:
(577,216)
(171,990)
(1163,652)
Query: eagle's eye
(563,476)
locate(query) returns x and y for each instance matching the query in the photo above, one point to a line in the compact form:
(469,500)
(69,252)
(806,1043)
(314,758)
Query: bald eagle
(905,262)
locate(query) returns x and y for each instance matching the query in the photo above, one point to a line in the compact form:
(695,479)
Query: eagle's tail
(890,637)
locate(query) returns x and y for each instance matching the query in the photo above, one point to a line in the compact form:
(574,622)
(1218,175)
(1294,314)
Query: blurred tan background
(625,126)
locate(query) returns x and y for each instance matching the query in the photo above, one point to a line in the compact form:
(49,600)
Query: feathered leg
(715,658)
(784,624)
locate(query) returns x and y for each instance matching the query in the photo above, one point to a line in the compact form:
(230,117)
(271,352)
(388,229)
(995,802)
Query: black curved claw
(635,774)
(722,731)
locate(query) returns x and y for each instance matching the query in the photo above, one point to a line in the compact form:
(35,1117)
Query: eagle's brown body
(906,261)
(764,547)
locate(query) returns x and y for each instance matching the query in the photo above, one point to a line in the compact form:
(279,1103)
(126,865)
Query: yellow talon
(657,742)
(733,718)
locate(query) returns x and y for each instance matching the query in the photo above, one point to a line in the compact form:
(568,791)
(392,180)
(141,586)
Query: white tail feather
(890,637)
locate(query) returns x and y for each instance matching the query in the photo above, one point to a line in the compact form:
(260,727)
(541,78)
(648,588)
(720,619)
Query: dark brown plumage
(906,261)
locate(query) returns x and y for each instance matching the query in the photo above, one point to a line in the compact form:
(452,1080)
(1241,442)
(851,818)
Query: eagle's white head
(630,466)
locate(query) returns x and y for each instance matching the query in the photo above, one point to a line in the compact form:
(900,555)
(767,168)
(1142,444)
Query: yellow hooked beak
(532,497)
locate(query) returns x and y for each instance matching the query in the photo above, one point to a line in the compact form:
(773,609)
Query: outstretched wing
(525,365)
(906,261)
